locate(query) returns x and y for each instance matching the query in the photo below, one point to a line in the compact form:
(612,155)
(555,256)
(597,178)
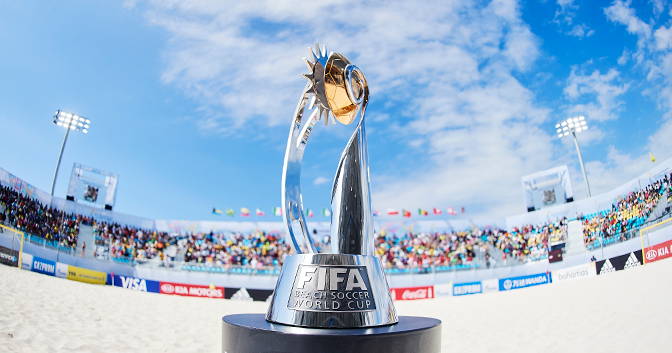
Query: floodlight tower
(70,122)
(574,125)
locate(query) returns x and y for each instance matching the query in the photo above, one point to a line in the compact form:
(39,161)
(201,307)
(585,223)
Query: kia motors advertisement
(412,293)
(658,252)
(191,290)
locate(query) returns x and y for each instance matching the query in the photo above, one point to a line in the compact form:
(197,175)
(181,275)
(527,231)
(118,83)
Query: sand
(627,311)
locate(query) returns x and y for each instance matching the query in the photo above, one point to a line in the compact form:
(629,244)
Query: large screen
(547,188)
(92,186)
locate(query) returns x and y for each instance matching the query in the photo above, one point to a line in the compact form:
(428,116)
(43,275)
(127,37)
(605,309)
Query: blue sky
(191,101)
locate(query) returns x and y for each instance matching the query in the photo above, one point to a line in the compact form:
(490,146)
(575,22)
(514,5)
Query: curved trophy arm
(351,222)
(292,204)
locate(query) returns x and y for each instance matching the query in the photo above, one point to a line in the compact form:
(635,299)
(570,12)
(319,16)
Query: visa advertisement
(134,283)
(524,281)
(87,276)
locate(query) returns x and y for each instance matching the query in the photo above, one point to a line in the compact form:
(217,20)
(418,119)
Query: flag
(244,212)
(462,209)
(309,213)
(406,213)
(376,213)
(437,211)
(422,212)
(326,212)
(451,211)
(229,212)
(653,159)
(217,211)
(277,211)
(260,212)
(392,212)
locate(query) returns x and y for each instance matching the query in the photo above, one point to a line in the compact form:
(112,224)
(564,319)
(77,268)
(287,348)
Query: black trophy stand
(251,333)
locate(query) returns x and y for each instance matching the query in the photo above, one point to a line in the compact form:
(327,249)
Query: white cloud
(621,12)
(450,64)
(623,59)
(320,180)
(581,31)
(663,38)
(602,92)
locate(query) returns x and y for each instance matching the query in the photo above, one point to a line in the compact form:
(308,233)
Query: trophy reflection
(345,288)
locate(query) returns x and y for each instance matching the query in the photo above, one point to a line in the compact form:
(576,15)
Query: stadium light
(574,125)
(70,122)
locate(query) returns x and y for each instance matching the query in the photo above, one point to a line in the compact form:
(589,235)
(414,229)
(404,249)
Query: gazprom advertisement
(523,281)
(467,288)
(43,266)
(133,283)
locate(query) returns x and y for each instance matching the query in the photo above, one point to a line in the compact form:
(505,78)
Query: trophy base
(248,333)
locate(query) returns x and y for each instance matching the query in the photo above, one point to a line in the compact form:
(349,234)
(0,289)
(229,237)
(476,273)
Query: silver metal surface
(384,314)
(347,288)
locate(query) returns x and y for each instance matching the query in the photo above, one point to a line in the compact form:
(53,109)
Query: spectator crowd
(396,251)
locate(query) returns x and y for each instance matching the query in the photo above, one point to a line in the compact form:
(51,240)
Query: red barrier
(658,251)
(191,290)
(412,293)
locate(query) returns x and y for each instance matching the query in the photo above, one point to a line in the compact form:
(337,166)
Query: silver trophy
(346,288)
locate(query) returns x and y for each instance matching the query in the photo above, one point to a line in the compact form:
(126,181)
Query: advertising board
(85,275)
(412,293)
(658,252)
(9,257)
(619,263)
(133,283)
(574,272)
(43,266)
(490,285)
(26,261)
(524,281)
(443,289)
(244,294)
(61,270)
(191,290)
(467,288)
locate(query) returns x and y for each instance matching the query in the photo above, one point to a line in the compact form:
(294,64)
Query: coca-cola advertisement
(412,293)
(658,252)
(191,290)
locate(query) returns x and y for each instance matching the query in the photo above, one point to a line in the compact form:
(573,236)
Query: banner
(26,261)
(659,251)
(87,276)
(191,290)
(9,257)
(43,266)
(490,285)
(574,272)
(412,293)
(619,263)
(244,294)
(523,281)
(467,288)
(443,289)
(61,270)
(133,283)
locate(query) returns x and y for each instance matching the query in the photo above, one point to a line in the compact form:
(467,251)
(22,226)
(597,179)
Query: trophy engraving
(347,287)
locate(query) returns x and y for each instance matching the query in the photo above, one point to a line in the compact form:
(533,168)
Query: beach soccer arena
(588,275)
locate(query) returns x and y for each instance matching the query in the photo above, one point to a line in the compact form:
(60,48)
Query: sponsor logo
(659,251)
(331,288)
(167,288)
(43,266)
(27,261)
(190,290)
(85,275)
(61,270)
(632,262)
(412,293)
(242,295)
(444,289)
(133,283)
(607,268)
(490,285)
(574,272)
(523,281)
(467,288)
